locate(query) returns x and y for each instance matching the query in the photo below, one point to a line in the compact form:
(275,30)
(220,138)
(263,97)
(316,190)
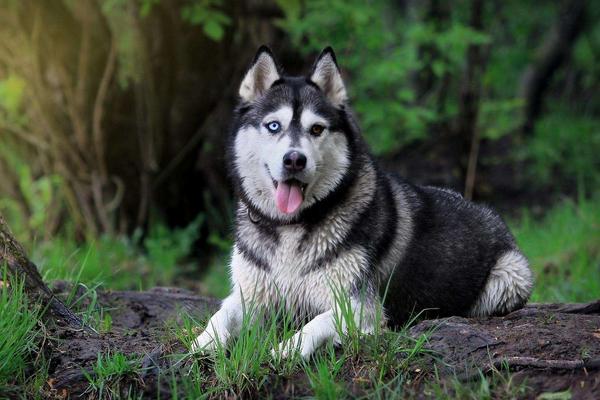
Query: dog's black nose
(294,161)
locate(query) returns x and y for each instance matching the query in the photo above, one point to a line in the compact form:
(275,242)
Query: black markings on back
(388,218)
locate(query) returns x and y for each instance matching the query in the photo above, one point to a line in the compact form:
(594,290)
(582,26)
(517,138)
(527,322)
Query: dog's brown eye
(316,129)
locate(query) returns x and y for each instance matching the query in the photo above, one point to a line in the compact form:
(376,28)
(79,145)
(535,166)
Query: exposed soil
(139,328)
(550,347)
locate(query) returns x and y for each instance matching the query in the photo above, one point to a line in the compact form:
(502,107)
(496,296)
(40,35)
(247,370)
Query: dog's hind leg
(508,287)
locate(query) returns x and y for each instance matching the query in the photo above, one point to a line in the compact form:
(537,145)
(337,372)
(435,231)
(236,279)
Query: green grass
(247,367)
(119,262)
(564,251)
(323,374)
(18,332)
(246,363)
(108,374)
(498,384)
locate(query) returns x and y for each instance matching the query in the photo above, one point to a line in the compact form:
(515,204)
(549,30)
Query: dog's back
(461,260)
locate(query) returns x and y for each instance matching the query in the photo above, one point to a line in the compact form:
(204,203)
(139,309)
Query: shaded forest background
(114,114)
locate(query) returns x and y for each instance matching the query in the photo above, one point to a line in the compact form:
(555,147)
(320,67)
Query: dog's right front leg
(224,325)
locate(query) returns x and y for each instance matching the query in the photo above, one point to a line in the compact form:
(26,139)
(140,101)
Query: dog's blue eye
(273,126)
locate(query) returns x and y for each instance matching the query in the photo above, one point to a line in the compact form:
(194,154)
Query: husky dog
(315,213)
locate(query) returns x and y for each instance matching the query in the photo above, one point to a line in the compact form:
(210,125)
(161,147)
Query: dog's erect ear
(261,75)
(326,74)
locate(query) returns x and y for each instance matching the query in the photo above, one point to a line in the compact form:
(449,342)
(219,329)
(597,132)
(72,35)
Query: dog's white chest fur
(302,277)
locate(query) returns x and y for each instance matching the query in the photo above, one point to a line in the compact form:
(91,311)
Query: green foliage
(564,251)
(323,375)
(41,199)
(585,55)
(243,365)
(246,363)
(207,14)
(565,148)
(18,320)
(11,98)
(382,49)
(119,262)
(193,386)
(146,7)
(83,299)
(166,247)
(499,117)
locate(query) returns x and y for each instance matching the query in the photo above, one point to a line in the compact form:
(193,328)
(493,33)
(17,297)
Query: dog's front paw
(297,344)
(205,343)
(287,348)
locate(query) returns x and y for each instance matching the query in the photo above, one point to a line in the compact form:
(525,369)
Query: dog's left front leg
(223,325)
(325,327)
(312,335)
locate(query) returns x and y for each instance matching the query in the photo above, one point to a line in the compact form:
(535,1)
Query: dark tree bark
(20,267)
(470,94)
(425,81)
(554,51)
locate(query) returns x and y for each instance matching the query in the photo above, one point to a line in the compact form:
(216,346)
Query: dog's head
(292,138)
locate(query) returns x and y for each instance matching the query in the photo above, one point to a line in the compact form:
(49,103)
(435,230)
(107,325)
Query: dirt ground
(552,347)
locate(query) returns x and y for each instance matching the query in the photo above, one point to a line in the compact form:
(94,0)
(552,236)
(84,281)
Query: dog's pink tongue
(288,197)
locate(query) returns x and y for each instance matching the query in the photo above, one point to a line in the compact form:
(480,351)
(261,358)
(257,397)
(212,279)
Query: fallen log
(555,347)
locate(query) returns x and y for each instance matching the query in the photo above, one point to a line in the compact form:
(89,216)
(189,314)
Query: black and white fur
(357,228)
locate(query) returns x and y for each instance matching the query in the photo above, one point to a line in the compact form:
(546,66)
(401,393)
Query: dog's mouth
(289,195)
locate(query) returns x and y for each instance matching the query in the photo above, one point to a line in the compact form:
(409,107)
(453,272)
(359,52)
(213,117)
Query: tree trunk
(470,94)
(20,267)
(552,54)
